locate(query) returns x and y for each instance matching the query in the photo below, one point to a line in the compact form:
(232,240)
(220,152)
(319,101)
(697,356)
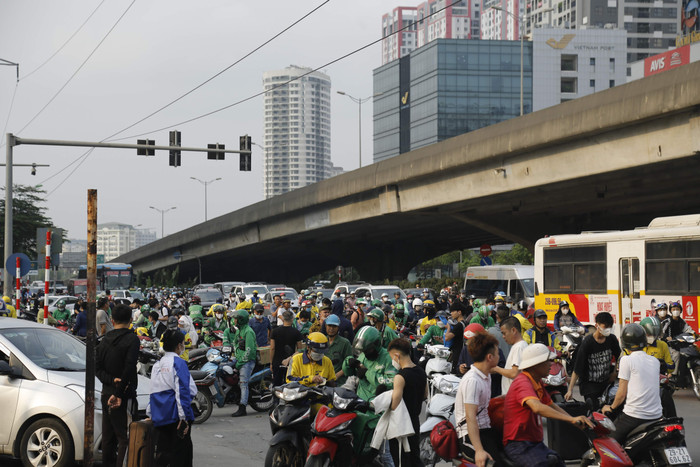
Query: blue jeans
(244,372)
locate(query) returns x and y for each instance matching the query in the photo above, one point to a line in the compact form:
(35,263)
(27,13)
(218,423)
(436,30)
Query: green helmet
(145,309)
(477,304)
(399,306)
(218,308)
(376,302)
(241,317)
(61,304)
(377,314)
(652,326)
(367,341)
(634,337)
(483,312)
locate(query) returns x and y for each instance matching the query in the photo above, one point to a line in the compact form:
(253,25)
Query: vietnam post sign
(667,60)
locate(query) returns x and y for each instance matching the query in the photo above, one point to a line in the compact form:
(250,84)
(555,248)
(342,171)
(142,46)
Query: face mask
(219,316)
(650,340)
(395,364)
(315,356)
(662,313)
(565,311)
(490,307)
(509,305)
(605,332)
(675,313)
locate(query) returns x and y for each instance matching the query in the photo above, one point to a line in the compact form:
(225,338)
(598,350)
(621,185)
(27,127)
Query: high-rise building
(297,133)
(568,64)
(446,88)
(460,21)
(500,20)
(115,239)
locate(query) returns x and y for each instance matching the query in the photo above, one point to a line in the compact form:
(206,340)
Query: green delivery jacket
(379,371)
(244,344)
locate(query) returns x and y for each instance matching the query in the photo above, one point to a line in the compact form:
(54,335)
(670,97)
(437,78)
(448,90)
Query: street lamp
(360,101)
(206,184)
(162,218)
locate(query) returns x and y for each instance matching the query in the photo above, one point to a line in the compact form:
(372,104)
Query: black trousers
(492,442)
(171,450)
(115,430)
(408,459)
(624,424)
(279,375)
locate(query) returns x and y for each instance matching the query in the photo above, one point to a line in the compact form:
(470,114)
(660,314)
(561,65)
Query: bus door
(630,304)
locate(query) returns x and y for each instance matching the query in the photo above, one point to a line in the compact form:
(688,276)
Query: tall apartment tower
(297,133)
(496,24)
(460,21)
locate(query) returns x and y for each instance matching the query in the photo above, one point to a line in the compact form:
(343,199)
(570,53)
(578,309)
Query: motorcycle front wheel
(261,398)
(283,455)
(204,406)
(427,454)
(323,460)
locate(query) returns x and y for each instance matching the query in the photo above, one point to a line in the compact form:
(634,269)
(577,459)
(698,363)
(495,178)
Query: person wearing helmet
(61,313)
(677,325)
(312,367)
(638,385)
(417,306)
(7,309)
(323,314)
(358,316)
(400,316)
(425,295)
(261,326)
(565,317)
(594,360)
(540,333)
(397,298)
(142,315)
(389,313)
(371,363)
(185,327)
(254,299)
(245,305)
(483,317)
(339,348)
(243,341)
(657,347)
(215,323)
(435,335)
(377,319)
(429,318)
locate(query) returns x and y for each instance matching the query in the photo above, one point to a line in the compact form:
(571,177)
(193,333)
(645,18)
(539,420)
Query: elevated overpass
(612,160)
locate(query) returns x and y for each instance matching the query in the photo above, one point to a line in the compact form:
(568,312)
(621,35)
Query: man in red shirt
(526,401)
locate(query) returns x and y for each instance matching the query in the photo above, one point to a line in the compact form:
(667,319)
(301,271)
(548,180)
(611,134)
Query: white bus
(625,273)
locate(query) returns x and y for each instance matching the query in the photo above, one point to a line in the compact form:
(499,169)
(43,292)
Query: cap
(333,320)
(472,330)
(534,354)
(540,312)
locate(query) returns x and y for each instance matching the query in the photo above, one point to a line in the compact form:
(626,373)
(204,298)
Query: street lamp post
(206,184)
(359,102)
(162,218)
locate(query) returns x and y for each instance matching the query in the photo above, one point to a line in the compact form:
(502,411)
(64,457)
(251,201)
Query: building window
(592,83)
(612,83)
(612,65)
(569,62)
(592,61)
(569,85)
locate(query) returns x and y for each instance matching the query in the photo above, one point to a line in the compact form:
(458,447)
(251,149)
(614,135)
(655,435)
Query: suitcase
(570,442)
(141,444)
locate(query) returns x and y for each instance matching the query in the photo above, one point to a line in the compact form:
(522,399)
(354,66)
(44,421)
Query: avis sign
(667,60)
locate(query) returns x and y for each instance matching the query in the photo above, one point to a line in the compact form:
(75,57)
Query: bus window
(578,269)
(589,278)
(694,276)
(667,277)
(558,278)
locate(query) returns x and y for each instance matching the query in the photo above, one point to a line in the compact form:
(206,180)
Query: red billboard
(667,60)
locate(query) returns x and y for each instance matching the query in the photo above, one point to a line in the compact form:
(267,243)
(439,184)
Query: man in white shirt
(511,330)
(479,441)
(639,385)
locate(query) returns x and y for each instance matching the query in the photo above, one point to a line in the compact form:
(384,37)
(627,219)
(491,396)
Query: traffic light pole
(13,141)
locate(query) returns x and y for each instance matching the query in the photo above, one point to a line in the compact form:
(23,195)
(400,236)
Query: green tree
(28,214)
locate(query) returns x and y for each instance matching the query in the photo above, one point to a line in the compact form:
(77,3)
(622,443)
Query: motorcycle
(342,434)
(227,381)
(435,360)
(688,364)
(556,382)
(443,391)
(604,451)
(290,422)
(202,403)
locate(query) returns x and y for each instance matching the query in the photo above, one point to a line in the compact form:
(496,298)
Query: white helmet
(417,302)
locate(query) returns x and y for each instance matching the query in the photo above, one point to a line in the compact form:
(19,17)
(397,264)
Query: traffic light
(144,151)
(216,155)
(245,145)
(175,154)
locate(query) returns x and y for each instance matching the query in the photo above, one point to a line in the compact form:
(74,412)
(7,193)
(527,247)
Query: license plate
(678,456)
(212,390)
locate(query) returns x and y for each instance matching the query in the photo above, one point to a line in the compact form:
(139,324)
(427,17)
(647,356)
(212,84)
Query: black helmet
(258,307)
(634,337)
(367,341)
(172,322)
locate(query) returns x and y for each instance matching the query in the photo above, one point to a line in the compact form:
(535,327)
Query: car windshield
(209,295)
(378,292)
(138,295)
(248,290)
(50,349)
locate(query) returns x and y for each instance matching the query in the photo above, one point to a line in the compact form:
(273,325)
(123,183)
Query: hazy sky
(158,51)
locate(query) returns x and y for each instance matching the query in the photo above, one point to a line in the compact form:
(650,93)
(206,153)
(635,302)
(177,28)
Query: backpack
(443,439)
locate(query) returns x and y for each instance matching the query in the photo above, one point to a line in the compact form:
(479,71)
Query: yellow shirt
(303,369)
(11,312)
(391,324)
(524,323)
(659,350)
(424,324)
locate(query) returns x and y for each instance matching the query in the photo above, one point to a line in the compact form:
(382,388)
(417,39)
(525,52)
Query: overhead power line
(280,85)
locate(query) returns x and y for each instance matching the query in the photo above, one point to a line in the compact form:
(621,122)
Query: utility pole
(206,184)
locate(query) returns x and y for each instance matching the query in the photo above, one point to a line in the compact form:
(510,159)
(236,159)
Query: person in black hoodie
(115,366)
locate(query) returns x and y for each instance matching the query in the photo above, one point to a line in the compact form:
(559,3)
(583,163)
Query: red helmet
(196,299)
(472,330)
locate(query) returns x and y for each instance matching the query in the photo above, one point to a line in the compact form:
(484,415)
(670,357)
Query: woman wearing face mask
(565,317)
(594,360)
(676,325)
(662,313)
(411,386)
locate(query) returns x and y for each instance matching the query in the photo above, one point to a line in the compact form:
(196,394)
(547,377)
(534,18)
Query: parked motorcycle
(443,391)
(556,382)
(342,434)
(202,402)
(290,422)
(689,363)
(571,338)
(435,360)
(658,443)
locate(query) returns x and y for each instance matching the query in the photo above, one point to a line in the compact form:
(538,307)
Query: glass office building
(446,88)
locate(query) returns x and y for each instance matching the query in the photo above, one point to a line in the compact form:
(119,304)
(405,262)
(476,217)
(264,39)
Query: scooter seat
(642,428)
(198,375)
(197,352)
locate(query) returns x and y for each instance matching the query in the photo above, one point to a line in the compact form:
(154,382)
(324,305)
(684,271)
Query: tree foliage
(28,214)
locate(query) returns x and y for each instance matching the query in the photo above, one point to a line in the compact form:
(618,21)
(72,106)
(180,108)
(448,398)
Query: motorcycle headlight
(341,402)
(443,353)
(341,427)
(445,386)
(291,394)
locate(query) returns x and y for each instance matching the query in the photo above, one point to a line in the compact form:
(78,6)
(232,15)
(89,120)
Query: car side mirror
(7,370)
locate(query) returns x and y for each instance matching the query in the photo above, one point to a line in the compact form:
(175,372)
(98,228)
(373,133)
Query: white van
(517,282)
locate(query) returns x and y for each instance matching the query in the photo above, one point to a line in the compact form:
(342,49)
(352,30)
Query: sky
(158,51)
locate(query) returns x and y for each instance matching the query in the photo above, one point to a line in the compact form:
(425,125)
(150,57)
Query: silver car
(42,394)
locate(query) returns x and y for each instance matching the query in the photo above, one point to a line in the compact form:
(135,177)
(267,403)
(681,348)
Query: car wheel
(46,443)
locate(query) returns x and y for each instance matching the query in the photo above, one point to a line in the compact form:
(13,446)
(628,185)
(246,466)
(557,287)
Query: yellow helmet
(318,341)
(6,299)
(142,331)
